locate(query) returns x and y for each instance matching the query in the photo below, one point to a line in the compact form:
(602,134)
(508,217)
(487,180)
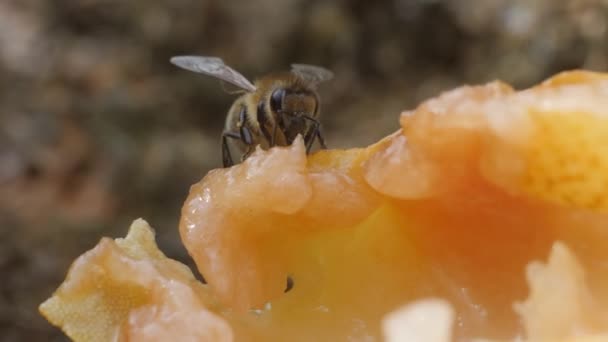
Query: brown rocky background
(97,128)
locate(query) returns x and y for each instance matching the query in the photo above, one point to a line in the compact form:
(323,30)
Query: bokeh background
(97,128)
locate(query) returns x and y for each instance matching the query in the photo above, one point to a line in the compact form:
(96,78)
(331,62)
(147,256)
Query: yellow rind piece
(127,289)
(568,159)
(550,142)
(89,305)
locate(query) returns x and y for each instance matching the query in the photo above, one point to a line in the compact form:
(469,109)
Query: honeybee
(273,111)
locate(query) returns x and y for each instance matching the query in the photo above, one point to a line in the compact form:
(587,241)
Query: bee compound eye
(276,99)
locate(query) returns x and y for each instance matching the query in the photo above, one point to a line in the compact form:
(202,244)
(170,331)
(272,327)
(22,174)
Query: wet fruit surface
(476,185)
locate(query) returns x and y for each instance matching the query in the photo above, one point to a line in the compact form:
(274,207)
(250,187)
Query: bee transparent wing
(312,73)
(214,67)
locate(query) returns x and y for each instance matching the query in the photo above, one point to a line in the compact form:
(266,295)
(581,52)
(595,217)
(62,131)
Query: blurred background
(97,128)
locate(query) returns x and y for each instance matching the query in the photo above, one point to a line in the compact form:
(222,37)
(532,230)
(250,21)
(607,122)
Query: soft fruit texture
(448,214)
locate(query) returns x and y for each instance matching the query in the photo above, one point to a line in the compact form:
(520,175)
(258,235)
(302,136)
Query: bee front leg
(244,136)
(314,133)
(226,156)
(246,155)
(321,139)
(247,138)
(244,130)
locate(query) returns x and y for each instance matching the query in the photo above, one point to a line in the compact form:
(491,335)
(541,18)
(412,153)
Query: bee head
(290,103)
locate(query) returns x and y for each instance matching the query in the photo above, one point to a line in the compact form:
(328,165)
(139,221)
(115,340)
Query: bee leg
(249,151)
(245,136)
(321,139)
(246,155)
(309,138)
(226,156)
(274,134)
(271,137)
(244,130)
(314,133)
